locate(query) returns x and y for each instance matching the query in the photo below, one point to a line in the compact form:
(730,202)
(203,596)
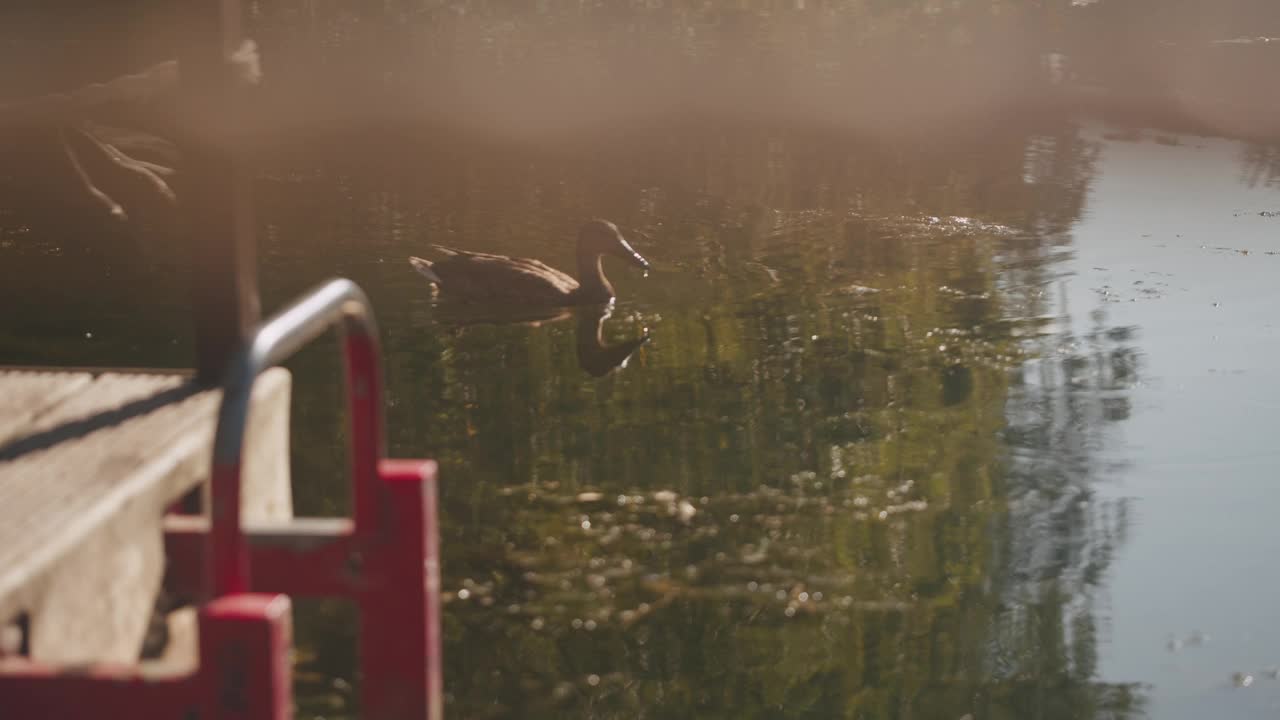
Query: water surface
(965,423)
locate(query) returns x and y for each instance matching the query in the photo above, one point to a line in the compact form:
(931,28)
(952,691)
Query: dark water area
(935,420)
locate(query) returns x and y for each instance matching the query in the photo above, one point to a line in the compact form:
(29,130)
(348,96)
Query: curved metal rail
(335,302)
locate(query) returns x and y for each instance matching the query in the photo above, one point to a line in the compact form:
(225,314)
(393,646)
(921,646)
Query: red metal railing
(387,561)
(337,302)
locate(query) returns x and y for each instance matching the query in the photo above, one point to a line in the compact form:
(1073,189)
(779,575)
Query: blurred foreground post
(215,203)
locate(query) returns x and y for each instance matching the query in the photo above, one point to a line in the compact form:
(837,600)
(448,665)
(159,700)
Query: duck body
(493,279)
(497,278)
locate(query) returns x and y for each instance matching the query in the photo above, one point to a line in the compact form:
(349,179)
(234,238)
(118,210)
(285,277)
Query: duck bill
(628,253)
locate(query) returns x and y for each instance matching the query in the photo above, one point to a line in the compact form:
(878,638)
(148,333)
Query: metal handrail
(333,302)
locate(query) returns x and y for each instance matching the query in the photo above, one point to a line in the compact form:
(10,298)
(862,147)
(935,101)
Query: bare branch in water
(150,173)
(112,207)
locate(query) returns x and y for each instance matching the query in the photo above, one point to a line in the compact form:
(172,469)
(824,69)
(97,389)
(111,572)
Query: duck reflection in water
(595,357)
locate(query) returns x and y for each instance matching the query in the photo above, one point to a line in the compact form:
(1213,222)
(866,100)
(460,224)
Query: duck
(482,277)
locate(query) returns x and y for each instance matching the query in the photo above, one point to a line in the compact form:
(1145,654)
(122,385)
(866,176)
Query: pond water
(978,427)
(1168,255)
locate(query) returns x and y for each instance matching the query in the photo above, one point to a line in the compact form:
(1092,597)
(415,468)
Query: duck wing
(484,276)
(531,263)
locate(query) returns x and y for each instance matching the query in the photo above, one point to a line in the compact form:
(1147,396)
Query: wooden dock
(93,469)
(89,461)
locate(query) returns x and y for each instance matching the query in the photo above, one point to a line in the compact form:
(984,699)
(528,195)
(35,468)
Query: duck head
(601,237)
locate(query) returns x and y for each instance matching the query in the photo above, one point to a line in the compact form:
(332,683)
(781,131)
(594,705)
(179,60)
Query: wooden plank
(25,396)
(83,488)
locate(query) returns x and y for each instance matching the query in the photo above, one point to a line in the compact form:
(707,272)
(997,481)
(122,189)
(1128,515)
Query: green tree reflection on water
(808,495)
